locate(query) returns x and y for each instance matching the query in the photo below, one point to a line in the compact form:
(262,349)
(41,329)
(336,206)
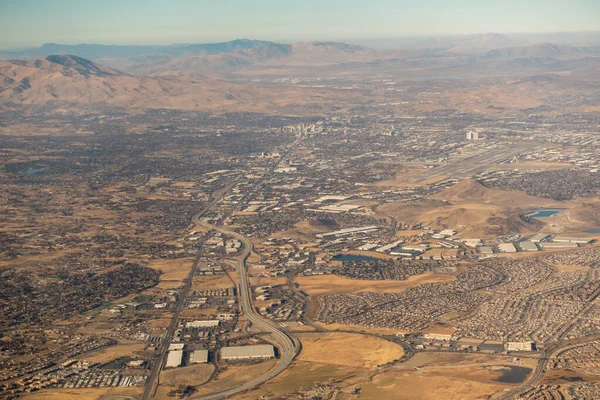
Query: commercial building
(247,352)
(174,358)
(199,357)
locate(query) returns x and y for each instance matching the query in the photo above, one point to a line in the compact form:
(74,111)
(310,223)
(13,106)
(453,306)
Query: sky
(26,23)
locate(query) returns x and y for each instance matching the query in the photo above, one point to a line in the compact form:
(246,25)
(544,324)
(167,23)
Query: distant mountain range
(98,51)
(68,79)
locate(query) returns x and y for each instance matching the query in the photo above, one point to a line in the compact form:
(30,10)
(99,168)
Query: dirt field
(84,394)
(211,282)
(114,352)
(303,374)
(323,284)
(349,349)
(191,375)
(440,376)
(234,375)
(173,270)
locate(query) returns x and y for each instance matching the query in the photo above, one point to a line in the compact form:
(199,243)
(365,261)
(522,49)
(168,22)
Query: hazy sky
(33,22)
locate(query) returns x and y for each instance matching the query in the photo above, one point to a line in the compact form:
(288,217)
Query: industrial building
(486,250)
(248,352)
(519,346)
(528,246)
(564,239)
(507,248)
(559,245)
(199,357)
(202,324)
(348,232)
(540,237)
(174,358)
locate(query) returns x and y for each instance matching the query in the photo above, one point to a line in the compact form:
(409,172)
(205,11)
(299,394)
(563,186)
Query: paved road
(545,355)
(152,382)
(287,346)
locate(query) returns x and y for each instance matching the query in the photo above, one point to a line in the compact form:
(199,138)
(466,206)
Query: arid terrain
(321,220)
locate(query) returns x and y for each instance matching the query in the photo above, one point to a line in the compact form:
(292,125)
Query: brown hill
(473,209)
(70,79)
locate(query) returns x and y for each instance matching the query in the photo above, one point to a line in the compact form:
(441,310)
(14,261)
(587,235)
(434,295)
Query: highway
(152,381)
(287,346)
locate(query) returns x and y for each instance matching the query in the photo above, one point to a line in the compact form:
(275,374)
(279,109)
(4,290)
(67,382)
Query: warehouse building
(199,357)
(558,245)
(528,246)
(347,232)
(540,237)
(248,352)
(486,250)
(202,324)
(174,358)
(564,239)
(507,248)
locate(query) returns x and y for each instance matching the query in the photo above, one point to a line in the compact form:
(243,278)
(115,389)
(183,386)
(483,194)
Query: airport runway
(465,167)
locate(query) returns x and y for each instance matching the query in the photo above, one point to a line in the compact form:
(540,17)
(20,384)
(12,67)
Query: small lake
(34,170)
(544,212)
(353,257)
(511,374)
(593,231)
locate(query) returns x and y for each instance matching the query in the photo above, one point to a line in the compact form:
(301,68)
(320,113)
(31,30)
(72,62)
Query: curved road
(288,347)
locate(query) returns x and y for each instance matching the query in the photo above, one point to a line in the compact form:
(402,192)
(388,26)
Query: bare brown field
(358,329)
(192,375)
(440,376)
(234,375)
(211,282)
(317,285)
(348,349)
(301,374)
(173,270)
(85,394)
(114,352)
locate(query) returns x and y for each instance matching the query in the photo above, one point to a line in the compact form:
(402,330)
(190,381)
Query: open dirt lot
(324,284)
(85,394)
(350,349)
(114,352)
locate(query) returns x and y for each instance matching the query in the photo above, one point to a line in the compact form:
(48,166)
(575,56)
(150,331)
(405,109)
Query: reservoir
(353,257)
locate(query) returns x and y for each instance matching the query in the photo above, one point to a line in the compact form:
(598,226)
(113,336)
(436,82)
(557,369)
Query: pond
(593,231)
(353,257)
(544,212)
(511,374)
(34,170)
